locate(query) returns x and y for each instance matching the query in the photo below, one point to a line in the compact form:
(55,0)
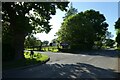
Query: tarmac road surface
(65,65)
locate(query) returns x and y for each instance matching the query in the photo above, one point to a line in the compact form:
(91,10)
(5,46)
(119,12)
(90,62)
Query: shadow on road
(107,53)
(79,70)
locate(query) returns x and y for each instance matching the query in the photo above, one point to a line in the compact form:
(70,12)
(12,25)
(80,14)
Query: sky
(108,9)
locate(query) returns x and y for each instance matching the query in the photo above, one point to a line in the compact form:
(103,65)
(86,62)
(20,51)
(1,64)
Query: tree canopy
(117,27)
(99,24)
(109,35)
(30,16)
(22,18)
(83,29)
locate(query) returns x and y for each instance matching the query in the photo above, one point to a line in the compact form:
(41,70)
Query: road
(66,65)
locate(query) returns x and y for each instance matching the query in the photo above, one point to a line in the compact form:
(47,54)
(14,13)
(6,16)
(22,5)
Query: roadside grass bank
(46,48)
(52,49)
(36,58)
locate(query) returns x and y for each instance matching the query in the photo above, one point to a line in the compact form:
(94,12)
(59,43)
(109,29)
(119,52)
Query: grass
(36,56)
(29,60)
(31,48)
(52,49)
(47,48)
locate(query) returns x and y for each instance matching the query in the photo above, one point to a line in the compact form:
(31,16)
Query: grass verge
(52,49)
(37,58)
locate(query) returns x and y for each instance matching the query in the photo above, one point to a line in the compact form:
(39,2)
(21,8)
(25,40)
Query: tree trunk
(18,45)
(18,37)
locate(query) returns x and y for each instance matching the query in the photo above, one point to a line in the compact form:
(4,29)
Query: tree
(118,40)
(75,31)
(109,43)
(83,29)
(109,35)
(45,43)
(55,41)
(100,26)
(117,27)
(71,11)
(31,42)
(23,18)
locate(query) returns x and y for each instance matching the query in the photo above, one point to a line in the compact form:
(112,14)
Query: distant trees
(31,42)
(45,43)
(83,30)
(54,42)
(108,42)
(71,11)
(117,27)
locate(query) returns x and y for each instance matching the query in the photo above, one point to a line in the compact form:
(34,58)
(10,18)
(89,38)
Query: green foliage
(117,27)
(49,48)
(71,11)
(109,35)
(75,30)
(36,59)
(45,43)
(36,56)
(32,41)
(100,27)
(118,40)
(30,17)
(83,29)
(6,34)
(22,18)
(54,41)
(117,24)
(109,42)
